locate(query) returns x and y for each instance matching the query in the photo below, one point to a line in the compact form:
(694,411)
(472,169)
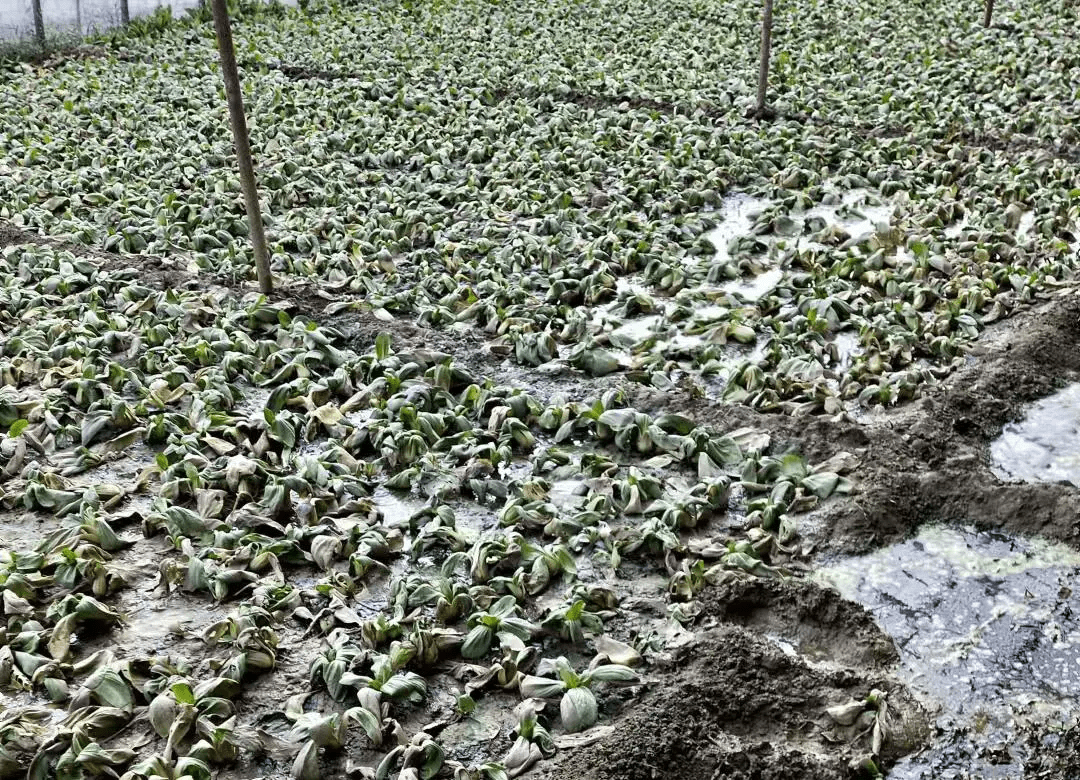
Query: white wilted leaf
(613,673)
(306,765)
(328,415)
(522,757)
(323,550)
(841,463)
(16,605)
(578,709)
(846,714)
(162,712)
(237,468)
(60,641)
(533,687)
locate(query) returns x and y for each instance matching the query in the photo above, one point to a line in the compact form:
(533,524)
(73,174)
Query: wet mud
(745,689)
(925,463)
(748,696)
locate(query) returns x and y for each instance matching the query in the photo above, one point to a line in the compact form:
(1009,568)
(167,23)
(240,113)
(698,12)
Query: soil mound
(740,702)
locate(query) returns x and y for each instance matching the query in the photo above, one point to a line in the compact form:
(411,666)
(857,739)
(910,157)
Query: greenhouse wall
(66,17)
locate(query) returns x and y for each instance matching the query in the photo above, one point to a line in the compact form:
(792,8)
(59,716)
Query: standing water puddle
(737,214)
(1045,446)
(755,287)
(988,630)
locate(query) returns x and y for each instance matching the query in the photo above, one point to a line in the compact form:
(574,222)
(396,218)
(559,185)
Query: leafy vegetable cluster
(575,181)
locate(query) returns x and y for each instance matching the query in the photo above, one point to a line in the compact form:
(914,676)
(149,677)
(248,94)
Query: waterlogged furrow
(268,456)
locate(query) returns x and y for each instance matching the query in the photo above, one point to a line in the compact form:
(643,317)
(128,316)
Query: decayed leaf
(60,641)
(615,651)
(306,764)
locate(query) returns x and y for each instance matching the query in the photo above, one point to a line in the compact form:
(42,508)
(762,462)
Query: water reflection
(987,626)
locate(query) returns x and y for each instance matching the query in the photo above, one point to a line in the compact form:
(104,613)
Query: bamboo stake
(241,142)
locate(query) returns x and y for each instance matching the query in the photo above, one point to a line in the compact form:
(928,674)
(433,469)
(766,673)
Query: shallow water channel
(988,630)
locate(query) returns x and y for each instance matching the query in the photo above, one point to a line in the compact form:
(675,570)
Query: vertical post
(78,16)
(241,142)
(125,16)
(766,48)
(988,13)
(39,23)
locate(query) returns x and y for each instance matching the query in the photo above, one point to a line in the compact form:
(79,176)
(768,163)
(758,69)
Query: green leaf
(96,758)
(217,687)
(725,451)
(90,609)
(675,423)
(466,704)
(596,362)
(822,484)
(477,642)
(56,688)
(504,607)
(367,721)
(192,768)
(433,758)
(183,693)
(111,690)
(17,428)
(407,685)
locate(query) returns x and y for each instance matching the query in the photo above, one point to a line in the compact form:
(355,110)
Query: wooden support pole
(766,49)
(988,13)
(125,15)
(241,142)
(39,23)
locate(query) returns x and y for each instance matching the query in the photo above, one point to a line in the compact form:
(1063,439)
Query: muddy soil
(746,697)
(925,462)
